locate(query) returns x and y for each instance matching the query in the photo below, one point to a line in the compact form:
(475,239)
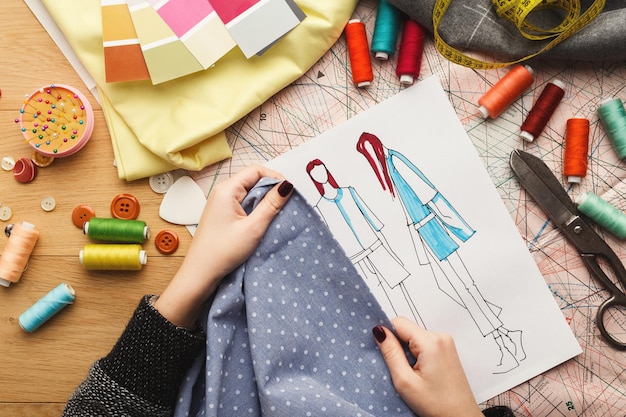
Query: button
(5,213)
(161,183)
(166,242)
(81,214)
(125,206)
(48,203)
(8,163)
(24,170)
(41,160)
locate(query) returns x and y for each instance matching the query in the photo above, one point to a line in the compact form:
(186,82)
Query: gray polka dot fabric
(289,332)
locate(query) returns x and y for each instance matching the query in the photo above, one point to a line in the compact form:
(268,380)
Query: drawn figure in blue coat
(357,229)
(438,230)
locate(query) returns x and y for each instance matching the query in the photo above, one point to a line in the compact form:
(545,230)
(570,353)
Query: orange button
(82,214)
(166,242)
(125,206)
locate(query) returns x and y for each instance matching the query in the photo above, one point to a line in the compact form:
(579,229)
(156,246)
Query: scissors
(541,184)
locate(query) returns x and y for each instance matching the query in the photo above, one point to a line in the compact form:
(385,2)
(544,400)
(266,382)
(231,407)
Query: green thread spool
(604,213)
(113,257)
(613,117)
(116,230)
(386,30)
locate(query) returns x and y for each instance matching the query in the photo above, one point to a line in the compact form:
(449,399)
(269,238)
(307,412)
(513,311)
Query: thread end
(407,79)
(483,110)
(528,137)
(381,56)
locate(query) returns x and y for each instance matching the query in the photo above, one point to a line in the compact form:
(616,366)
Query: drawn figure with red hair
(357,229)
(437,231)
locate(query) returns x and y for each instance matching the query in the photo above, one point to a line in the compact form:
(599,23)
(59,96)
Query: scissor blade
(539,181)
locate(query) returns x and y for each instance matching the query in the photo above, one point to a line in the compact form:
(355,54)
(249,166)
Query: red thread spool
(410,53)
(575,157)
(542,110)
(506,91)
(359,53)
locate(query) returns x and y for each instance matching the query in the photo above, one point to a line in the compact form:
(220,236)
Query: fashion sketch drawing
(358,230)
(437,231)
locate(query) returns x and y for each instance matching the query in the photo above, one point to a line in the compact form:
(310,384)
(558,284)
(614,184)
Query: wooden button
(41,160)
(81,214)
(125,206)
(166,242)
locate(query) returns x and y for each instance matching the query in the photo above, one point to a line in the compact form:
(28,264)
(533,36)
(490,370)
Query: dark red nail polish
(379,334)
(285,188)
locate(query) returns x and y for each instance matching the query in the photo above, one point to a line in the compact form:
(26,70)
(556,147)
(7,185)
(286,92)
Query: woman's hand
(436,385)
(224,239)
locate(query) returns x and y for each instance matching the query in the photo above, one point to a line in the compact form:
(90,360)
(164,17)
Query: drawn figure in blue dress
(357,229)
(438,230)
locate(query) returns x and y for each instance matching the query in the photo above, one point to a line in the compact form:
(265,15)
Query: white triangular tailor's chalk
(183,202)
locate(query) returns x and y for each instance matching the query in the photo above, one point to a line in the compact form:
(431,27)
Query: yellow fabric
(180,123)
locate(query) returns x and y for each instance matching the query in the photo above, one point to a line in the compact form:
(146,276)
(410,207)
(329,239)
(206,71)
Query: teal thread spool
(613,117)
(604,213)
(116,230)
(48,306)
(386,28)
(112,257)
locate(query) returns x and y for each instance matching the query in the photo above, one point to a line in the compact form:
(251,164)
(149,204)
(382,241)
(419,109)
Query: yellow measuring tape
(517,11)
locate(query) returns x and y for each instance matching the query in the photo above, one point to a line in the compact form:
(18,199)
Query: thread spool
(386,30)
(575,157)
(359,53)
(603,213)
(47,307)
(542,110)
(613,117)
(112,257)
(411,51)
(508,89)
(16,253)
(116,230)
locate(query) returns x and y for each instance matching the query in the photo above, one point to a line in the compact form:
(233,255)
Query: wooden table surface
(41,369)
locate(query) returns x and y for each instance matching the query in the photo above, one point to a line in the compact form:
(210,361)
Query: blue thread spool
(44,309)
(113,257)
(613,117)
(116,230)
(604,213)
(386,30)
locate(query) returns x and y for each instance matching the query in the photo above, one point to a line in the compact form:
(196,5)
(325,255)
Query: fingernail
(285,188)
(379,333)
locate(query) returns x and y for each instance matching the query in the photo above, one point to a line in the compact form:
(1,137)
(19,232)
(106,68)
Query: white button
(162,182)
(48,203)
(5,213)
(8,163)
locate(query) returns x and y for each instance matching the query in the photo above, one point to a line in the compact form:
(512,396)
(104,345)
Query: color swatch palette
(162,40)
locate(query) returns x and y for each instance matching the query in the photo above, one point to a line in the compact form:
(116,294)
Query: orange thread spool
(359,53)
(508,89)
(575,157)
(16,253)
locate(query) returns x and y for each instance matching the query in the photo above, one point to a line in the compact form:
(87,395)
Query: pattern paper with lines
(593,383)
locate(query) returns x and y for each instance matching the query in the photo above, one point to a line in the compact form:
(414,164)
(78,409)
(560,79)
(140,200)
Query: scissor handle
(617,298)
(613,301)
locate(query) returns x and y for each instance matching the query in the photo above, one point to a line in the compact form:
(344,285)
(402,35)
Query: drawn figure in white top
(437,230)
(357,229)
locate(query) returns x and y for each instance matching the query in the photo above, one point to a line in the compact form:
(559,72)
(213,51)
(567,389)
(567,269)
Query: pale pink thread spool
(16,253)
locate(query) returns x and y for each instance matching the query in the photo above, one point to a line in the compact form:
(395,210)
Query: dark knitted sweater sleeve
(141,374)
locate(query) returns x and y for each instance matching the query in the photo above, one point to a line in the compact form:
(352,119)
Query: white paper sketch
(457,287)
